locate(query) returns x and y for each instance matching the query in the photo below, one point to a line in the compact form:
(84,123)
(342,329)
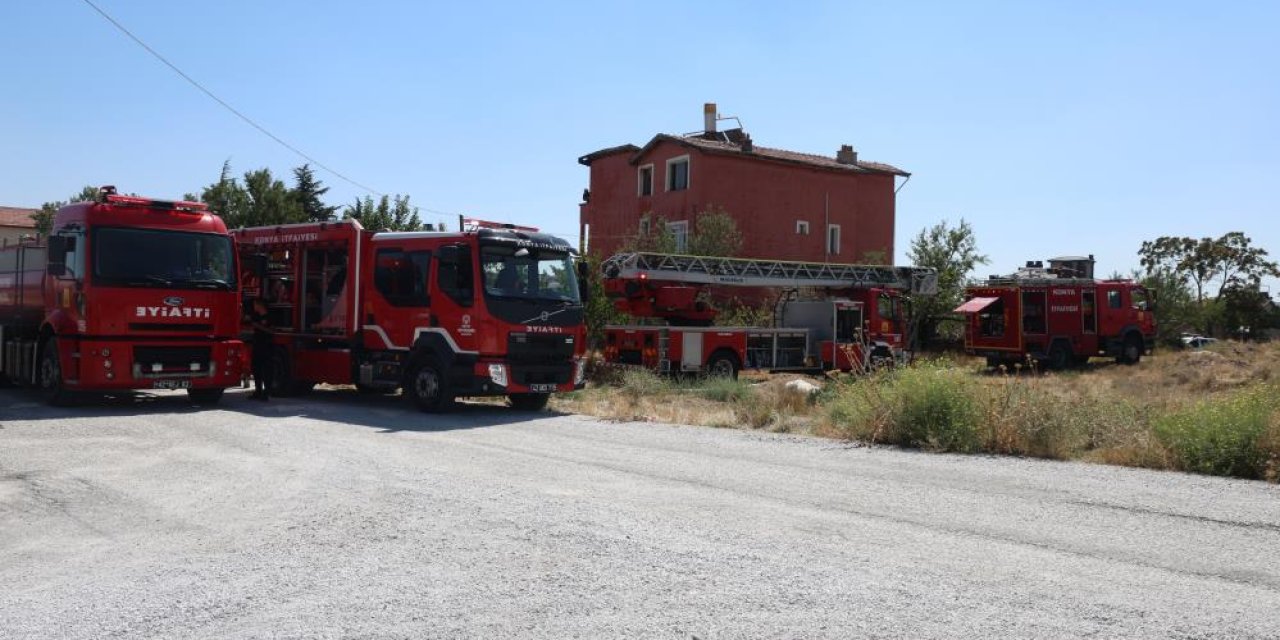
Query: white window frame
(680,231)
(640,180)
(802,227)
(833,248)
(688,173)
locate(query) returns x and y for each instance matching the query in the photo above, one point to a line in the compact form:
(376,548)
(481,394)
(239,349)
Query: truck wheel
(529,401)
(1059,357)
(428,388)
(204,396)
(723,365)
(51,376)
(283,383)
(1131,353)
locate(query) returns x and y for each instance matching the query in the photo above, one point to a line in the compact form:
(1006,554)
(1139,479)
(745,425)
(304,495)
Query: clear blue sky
(1054,127)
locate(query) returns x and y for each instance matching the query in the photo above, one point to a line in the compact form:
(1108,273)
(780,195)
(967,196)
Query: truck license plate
(542,388)
(171,384)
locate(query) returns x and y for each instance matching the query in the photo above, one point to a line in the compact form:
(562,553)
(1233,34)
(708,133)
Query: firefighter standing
(262,369)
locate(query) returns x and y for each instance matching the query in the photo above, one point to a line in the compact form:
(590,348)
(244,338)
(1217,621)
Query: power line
(222,102)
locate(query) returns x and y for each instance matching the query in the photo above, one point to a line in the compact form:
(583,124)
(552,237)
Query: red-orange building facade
(788,205)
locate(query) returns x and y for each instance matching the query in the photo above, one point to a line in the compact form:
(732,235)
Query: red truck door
(395,298)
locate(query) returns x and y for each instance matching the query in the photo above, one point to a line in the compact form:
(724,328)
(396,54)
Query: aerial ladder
(858,316)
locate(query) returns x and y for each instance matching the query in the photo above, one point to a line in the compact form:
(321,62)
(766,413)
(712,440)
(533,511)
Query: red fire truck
(858,320)
(1058,316)
(493,310)
(127,293)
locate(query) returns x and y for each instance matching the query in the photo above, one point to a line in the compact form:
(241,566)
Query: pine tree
(307,191)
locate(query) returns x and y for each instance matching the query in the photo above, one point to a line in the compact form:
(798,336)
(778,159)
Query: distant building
(788,205)
(16,222)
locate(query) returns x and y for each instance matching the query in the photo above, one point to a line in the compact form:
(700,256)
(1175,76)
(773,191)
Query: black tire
(427,387)
(283,383)
(529,401)
(204,396)
(723,364)
(1059,357)
(50,379)
(1131,352)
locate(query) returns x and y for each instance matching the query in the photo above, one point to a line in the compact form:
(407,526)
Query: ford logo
(173,301)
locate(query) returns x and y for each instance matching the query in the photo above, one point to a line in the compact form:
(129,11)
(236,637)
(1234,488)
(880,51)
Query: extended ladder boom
(748,272)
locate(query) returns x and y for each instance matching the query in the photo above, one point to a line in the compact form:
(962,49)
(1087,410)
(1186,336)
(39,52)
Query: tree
(307,190)
(654,236)
(270,201)
(392,213)
(1177,309)
(599,311)
(44,217)
(227,198)
(714,233)
(1231,261)
(953,252)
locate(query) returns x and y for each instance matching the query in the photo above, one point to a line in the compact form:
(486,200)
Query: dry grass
(1215,411)
(753,401)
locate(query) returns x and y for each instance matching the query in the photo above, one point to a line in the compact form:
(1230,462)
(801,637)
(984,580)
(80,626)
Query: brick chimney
(846,155)
(709,118)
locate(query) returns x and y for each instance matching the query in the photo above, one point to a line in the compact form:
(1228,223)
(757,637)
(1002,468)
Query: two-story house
(788,205)
(16,223)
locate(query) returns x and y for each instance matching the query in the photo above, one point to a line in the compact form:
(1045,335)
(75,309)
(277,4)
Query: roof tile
(17,217)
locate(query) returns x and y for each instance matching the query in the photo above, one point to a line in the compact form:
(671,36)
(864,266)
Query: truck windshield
(531,274)
(156,258)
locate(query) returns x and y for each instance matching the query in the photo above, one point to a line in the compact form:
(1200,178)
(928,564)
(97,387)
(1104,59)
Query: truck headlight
(580,371)
(498,373)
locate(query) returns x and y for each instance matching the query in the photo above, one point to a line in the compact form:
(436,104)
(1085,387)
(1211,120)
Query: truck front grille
(154,362)
(540,347)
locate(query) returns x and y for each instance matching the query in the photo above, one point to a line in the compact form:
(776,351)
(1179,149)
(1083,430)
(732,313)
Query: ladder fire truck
(1058,316)
(859,319)
(127,293)
(493,310)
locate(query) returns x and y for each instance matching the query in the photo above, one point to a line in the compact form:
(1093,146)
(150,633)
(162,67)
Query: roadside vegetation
(1213,411)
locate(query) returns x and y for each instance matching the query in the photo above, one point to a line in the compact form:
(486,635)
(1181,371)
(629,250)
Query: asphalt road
(345,516)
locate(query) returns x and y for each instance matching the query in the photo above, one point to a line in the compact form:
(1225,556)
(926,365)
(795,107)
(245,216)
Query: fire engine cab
(858,321)
(492,310)
(127,293)
(1058,316)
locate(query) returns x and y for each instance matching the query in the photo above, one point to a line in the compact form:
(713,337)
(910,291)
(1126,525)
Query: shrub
(929,406)
(637,383)
(1228,435)
(723,389)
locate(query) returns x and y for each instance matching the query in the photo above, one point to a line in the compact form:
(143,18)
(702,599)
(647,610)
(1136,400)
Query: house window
(645,181)
(678,174)
(680,231)
(802,227)
(833,239)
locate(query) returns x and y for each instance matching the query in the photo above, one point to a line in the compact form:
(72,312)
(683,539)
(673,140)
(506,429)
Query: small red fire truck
(127,293)
(489,311)
(858,321)
(1058,316)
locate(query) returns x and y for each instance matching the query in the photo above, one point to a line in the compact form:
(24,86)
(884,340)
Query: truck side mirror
(57,261)
(584,283)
